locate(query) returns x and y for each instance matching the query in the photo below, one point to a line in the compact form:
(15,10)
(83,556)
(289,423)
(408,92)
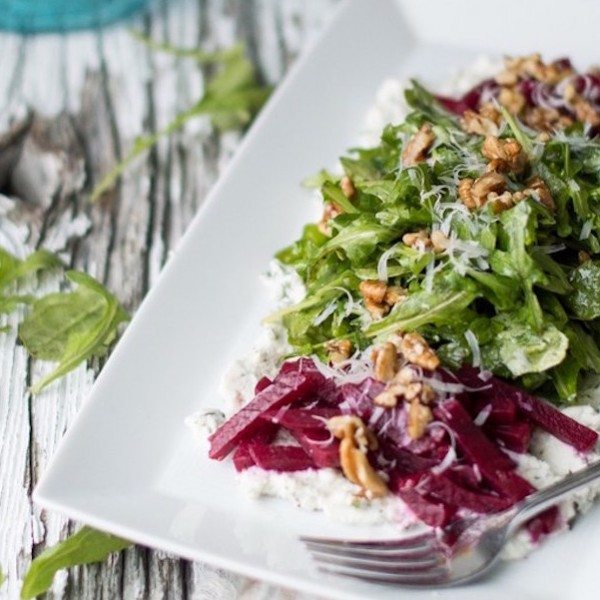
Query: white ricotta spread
(326,489)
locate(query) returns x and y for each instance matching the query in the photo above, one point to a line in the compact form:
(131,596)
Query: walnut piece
(584,111)
(417,239)
(532,66)
(506,155)
(417,351)
(419,416)
(537,188)
(439,241)
(356,441)
(330,211)
(347,187)
(473,122)
(407,385)
(379,297)
(338,350)
(474,193)
(512,100)
(417,147)
(583,256)
(386,361)
(545,119)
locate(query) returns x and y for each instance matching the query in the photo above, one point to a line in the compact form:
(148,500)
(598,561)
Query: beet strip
(280,458)
(289,387)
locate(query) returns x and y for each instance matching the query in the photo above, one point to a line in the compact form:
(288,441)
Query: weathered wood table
(88,96)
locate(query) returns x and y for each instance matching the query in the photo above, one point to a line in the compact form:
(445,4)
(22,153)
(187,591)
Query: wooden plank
(109,88)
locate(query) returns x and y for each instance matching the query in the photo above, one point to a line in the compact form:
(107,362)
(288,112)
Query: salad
(437,359)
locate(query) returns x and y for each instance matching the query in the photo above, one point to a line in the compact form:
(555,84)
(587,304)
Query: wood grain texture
(91,94)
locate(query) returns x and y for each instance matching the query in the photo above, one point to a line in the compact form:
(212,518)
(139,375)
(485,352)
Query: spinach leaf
(69,328)
(84,547)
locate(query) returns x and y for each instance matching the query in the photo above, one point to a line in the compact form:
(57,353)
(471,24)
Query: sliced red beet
(447,491)
(543,524)
(540,412)
(242,459)
(291,386)
(301,418)
(261,384)
(279,458)
(320,446)
(358,397)
(465,475)
(430,512)
(471,439)
(406,462)
(515,437)
(558,424)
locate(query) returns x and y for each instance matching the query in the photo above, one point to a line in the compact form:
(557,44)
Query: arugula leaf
(515,262)
(84,547)
(585,299)
(525,350)
(13,269)
(423,308)
(358,239)
(69,328)
(231,99)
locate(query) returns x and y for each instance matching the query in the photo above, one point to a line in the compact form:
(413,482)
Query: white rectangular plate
(128,464)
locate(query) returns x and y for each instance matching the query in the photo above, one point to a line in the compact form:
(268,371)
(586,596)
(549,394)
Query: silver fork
(423,560)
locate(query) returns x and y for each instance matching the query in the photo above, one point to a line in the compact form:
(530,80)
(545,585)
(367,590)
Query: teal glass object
(30,16)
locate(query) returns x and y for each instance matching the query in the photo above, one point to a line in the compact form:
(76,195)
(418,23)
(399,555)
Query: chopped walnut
(405,385)
(583,256)
(417,351)
(585,112)
(485,122)
(418,145)
(347,187)
(417,239)
(338,350)
(394,294)
(330,211)
(386,361)
(506,155)
(545,119)
(419,416)
(537,188)
(474,194)
(379,297)
(532,66)
(512,100)
(502,202)
(373,289)
(356,441)
(439,241)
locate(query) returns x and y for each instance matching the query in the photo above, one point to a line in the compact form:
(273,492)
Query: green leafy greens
(514,278)
(69,328)
(231,99)
(85,547)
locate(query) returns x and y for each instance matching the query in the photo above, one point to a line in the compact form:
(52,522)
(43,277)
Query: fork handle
(547,497)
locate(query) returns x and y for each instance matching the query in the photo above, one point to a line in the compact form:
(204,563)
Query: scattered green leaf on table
(69,328)
(84,547)
(232,97)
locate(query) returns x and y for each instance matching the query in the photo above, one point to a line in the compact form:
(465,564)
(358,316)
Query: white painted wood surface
(92,93)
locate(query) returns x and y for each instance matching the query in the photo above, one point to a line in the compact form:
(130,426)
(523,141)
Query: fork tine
(425,539)
(416,553)
(413,579)
(374,565)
